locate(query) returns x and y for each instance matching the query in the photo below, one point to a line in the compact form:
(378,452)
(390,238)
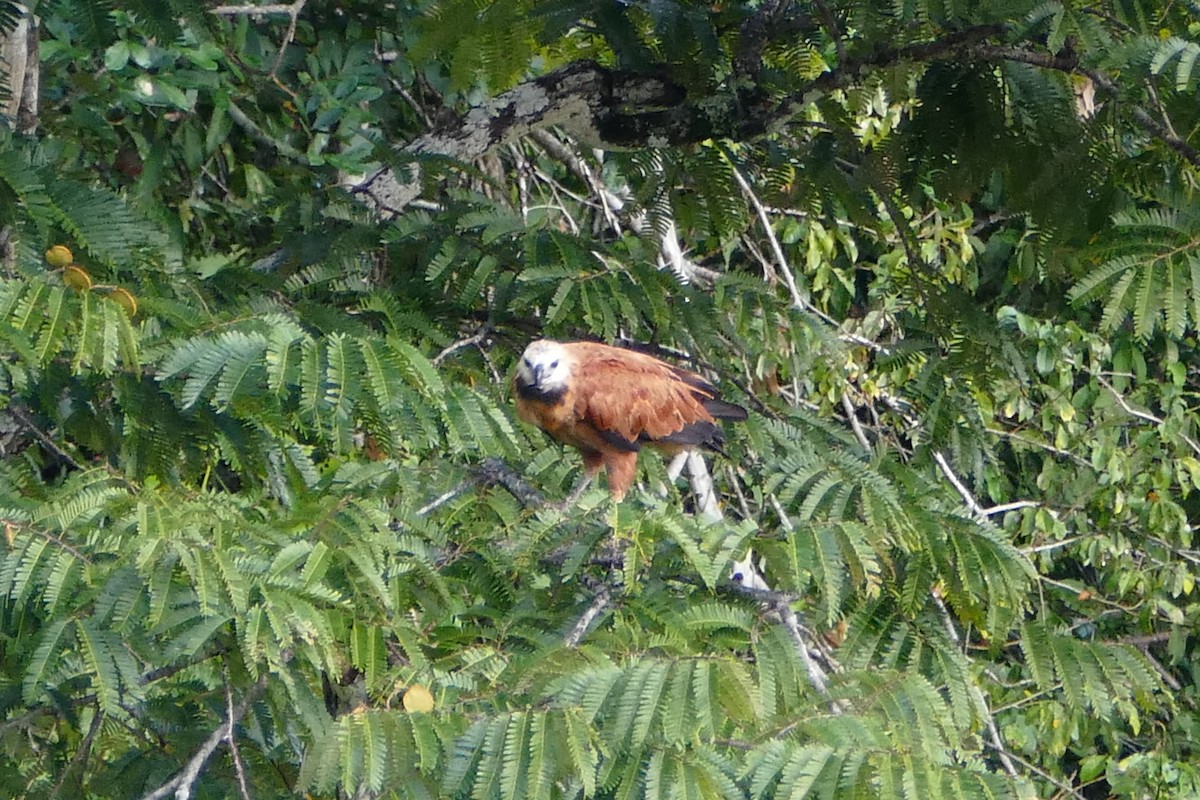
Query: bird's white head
(545,366)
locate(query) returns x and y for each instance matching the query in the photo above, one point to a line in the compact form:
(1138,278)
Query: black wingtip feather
(722,410)
(698,434)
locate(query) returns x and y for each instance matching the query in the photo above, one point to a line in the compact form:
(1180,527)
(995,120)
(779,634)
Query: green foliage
(1150,271)
(959,297)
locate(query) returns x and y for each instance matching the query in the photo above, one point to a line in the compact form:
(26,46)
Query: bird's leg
(621,469)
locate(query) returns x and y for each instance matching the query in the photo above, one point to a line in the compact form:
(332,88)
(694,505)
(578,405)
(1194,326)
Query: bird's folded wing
(633,396)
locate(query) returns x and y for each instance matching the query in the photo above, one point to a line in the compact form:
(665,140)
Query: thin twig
(733,481)
(1049,448)
(251,10)
(288,37)
(789,277)
(12,525)
(460,344)
(447,496)
(610,204)
(238,767)
(1015,505)
(989,719)
(182,783)
(855,425)
(1167,677)
(250,127)
(82,752)
(493,471)
(1042,548)
(24,418)
(781,604)
(1062,787)
(784,519)
(1144,415)
(958,485)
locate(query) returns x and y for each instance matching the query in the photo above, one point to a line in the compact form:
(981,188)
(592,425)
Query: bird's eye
(554,364)
(527,363)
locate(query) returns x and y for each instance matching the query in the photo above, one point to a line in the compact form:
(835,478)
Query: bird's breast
(553,411)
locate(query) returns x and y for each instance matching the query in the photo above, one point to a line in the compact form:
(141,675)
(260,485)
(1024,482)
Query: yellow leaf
(59,256)
(125,300)
(418,699)
(77,277)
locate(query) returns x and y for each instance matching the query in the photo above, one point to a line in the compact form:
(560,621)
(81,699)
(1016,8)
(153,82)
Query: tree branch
(1106,84)
(182,783)
(82,752)
(599,603)
(619,109)
(239,768)
(989,720)
(580,97)
(1145,416)
(781,604)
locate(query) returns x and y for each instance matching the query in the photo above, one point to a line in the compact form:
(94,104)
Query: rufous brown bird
(609,402)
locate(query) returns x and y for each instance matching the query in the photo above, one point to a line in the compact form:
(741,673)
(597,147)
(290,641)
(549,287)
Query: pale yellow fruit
(59,256)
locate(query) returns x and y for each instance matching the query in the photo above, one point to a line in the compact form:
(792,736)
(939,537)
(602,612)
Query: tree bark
(20,64)
(623,109)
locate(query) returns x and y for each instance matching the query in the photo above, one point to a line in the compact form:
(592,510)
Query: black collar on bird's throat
(528,391)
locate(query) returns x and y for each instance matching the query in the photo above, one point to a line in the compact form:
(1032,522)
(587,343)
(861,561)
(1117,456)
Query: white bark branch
(182,783)
(1145,416)
(601,601)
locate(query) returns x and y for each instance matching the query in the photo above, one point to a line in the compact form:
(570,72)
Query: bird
(609,402)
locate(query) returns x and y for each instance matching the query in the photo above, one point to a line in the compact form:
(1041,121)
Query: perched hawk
(609,402)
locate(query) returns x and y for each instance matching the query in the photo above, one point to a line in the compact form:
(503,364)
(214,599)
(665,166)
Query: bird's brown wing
(630,397)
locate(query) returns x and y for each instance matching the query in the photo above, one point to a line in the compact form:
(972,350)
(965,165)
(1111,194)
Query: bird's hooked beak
(536,369)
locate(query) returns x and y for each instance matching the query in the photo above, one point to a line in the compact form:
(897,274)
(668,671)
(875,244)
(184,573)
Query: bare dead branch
(599,603)
(238,767)
(1145,416)
(940,459)
(181,785)
(454,347)
(1015,505)
(251,10)
(789,277)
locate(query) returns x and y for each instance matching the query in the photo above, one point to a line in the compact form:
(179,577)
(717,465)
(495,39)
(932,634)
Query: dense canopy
(271,526)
